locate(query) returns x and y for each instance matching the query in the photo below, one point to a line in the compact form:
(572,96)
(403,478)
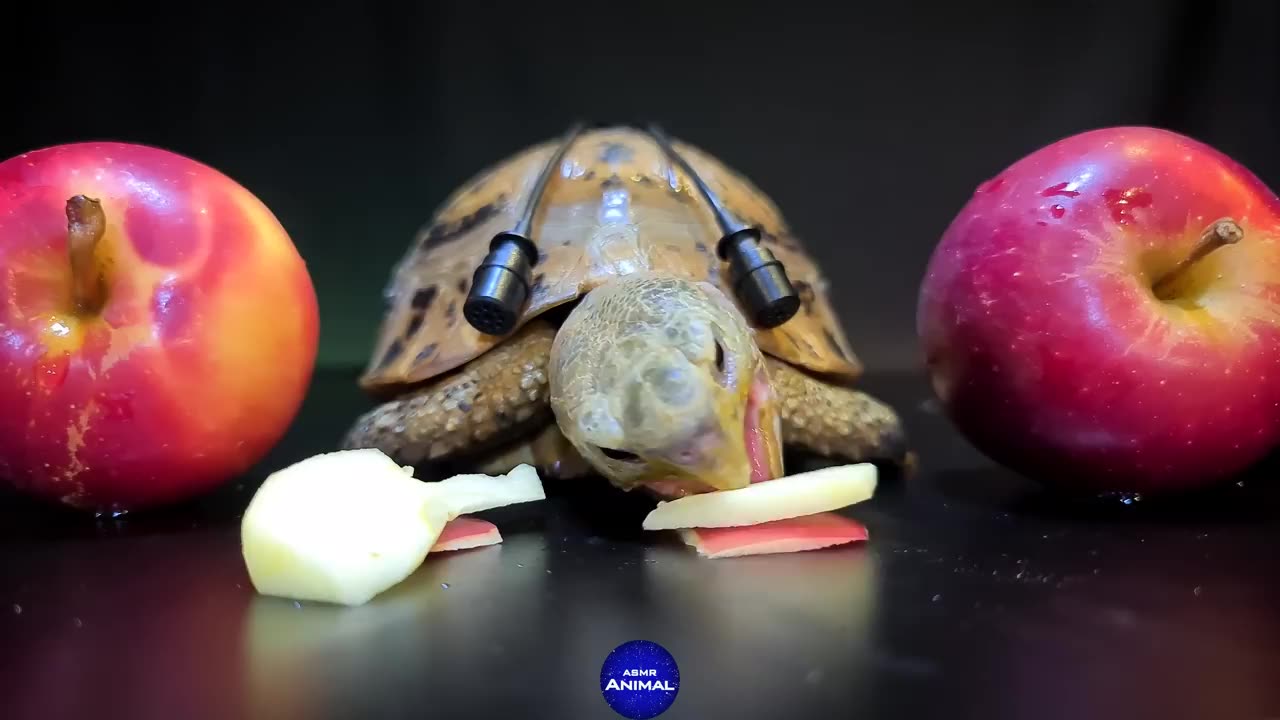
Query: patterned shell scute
(614,206)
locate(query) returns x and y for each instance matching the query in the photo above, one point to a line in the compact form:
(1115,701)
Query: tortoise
(632,356)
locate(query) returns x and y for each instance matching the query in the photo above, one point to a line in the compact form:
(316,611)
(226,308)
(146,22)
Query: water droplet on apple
(1197,591)
(17,609)
(77,622)
(50,372)
(1122,203)
(1060,189)
(1057,211)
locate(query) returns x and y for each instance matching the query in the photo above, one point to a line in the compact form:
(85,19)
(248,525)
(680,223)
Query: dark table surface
(977,596)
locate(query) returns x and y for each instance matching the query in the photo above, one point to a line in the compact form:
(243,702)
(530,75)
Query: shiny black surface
(975,597)
(759,280)
(500,285)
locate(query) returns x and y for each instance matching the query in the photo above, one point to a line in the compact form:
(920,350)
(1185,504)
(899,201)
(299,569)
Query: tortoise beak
(718,465)
(763,430)
(742,446)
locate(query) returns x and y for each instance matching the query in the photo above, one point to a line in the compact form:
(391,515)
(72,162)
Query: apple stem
(1222,232)
(86,224)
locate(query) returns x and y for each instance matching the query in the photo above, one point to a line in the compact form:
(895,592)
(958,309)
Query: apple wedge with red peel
(342,527)
(465,533)
(810,532)
(792,496)
(473,493)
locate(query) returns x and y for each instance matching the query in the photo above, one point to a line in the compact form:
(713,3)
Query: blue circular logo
(639,679)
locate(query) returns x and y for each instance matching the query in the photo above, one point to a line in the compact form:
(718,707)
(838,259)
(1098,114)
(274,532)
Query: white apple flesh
(343,527)
(791,496)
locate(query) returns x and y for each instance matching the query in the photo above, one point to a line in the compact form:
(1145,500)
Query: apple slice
(811,532)
(464,533)
(806,493)
(473,493)
(344,526)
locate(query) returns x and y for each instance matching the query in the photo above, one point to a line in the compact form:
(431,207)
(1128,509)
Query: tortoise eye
(620,455)
(722,363)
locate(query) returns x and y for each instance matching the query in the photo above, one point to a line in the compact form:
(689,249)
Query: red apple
(1088,321)
(158,328)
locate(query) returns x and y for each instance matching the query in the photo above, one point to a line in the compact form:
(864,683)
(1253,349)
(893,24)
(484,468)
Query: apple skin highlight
(1048,348)
(199,356)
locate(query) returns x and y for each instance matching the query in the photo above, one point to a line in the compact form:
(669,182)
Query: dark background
(353,121)
(977,596)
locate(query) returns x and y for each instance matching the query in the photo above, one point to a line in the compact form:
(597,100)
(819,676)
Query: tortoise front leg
(834,421)
(548,450)
(482,404)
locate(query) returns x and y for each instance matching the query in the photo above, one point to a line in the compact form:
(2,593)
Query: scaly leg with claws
(833,421)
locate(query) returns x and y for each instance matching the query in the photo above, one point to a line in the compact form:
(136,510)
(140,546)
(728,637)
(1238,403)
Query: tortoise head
(657,382)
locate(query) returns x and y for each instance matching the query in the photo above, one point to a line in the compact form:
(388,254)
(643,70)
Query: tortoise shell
(616,206)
